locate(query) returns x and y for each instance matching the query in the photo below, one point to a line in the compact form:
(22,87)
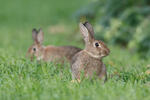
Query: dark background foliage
(121,22)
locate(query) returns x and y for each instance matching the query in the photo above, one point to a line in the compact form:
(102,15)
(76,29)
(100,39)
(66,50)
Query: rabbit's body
(53,53)
(89,60)
(82,62)
(50,53)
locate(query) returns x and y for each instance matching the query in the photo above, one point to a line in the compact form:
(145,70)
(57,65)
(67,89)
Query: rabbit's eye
(34,49)
(97,44)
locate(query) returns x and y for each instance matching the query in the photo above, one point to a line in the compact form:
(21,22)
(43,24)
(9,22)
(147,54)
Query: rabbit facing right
(89,60)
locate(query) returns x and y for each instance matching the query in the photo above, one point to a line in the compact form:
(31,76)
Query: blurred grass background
(116,22)
(124,23)
(19,17)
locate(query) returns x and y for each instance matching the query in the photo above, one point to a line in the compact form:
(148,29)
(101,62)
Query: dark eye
(34,49)
(96,44)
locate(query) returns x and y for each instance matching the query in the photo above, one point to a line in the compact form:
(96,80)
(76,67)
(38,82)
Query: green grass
(21,79)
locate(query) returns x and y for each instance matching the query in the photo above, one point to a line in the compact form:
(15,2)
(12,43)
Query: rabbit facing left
(58,54)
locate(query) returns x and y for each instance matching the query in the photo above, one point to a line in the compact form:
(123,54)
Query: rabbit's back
(60,54)
(70,51)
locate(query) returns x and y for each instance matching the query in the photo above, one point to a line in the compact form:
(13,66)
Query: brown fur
(89,60)
(50,53)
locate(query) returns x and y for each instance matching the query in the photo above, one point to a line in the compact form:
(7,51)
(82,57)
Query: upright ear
(40,36)
(86,34)
(34,35)
(90,28)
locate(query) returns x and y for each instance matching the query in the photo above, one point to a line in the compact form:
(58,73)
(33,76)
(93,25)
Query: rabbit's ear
(34,35)
(86,34)
(90,28)
(40,36)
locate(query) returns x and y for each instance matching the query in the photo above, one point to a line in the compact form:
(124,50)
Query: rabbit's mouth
(105,52)
(32,57)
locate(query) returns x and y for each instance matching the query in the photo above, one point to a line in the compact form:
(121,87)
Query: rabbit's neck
(41,56)
(92,55)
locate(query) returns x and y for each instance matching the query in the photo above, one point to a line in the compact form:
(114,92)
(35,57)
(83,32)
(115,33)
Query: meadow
(21,79)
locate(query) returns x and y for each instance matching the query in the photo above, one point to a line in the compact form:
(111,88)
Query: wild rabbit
(89,60)
(50,53)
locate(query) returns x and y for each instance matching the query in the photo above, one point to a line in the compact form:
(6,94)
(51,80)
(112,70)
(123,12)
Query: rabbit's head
(95,48)
(36,49)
